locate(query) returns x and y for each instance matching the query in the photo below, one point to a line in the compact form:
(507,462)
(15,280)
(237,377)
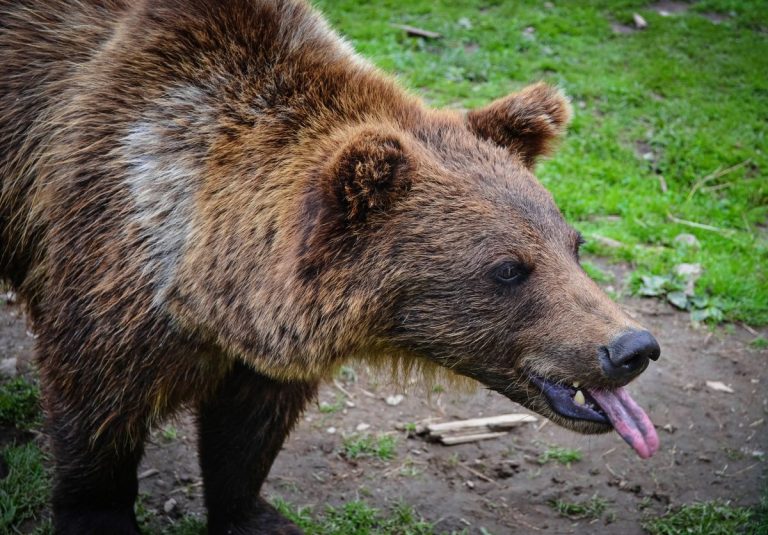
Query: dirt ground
(713,444)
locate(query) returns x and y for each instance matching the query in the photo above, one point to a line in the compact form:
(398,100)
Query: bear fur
(214,205)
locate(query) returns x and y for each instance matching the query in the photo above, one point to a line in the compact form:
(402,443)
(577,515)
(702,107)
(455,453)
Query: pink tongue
(629,420)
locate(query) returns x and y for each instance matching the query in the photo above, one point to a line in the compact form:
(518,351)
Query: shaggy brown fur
(216,203)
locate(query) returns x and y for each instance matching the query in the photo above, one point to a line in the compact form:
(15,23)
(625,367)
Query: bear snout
(629,355)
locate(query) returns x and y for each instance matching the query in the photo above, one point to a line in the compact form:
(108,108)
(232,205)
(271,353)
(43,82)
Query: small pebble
(362,427)
(185,478)
(169,505)
(395,400)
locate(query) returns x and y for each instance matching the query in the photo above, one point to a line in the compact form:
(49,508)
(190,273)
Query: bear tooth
(578,398)
(576,384)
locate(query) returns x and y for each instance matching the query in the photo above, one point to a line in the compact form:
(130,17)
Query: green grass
(347,374)
(564,456)
(711,518)
(356,518)
(689,93)
(591,508)
(20,404)
(25,490)
(187,525)
(169,433)
(382,447)
(329,408)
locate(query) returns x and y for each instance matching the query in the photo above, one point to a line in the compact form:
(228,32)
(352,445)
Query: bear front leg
(95,480)
(242,428)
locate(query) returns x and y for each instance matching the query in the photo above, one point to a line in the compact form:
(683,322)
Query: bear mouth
(609,407)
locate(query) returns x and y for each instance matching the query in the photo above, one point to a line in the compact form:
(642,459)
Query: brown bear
(214,204)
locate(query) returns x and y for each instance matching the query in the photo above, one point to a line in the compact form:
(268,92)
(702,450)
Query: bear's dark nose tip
(628,355)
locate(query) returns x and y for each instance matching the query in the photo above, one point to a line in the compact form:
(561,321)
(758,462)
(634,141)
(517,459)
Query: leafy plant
(169,433)
(564,456)
(671,287)
(25,489)
(383,447)
(329,408)
(20,404)
(594,507)
(347,374)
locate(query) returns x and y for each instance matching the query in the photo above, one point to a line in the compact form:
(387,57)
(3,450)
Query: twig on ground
(712,176)
(750,467)
(186,488)
(343,390)
(417,32)
(614,474)
(526,524)
(464,439)
(663,184)
(698,225)
(148,473)
(749,329)
(478,474)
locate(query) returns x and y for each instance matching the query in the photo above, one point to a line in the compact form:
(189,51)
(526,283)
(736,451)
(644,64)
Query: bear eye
(509,272)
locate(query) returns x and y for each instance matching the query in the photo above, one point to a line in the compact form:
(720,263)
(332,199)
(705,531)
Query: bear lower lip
(560,398)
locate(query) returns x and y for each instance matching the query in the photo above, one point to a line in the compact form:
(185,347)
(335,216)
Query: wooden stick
(697,225)
(749,329)
(463,439)
(494,423)
(148,473)
(479,474)
(663,184)
(417,32)
(343,390)
(366,393)
(716,174)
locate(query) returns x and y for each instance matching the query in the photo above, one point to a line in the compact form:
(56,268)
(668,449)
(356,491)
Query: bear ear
(527,123)
(370,173)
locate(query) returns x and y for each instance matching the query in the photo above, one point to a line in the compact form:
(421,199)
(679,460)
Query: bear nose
(628,355)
